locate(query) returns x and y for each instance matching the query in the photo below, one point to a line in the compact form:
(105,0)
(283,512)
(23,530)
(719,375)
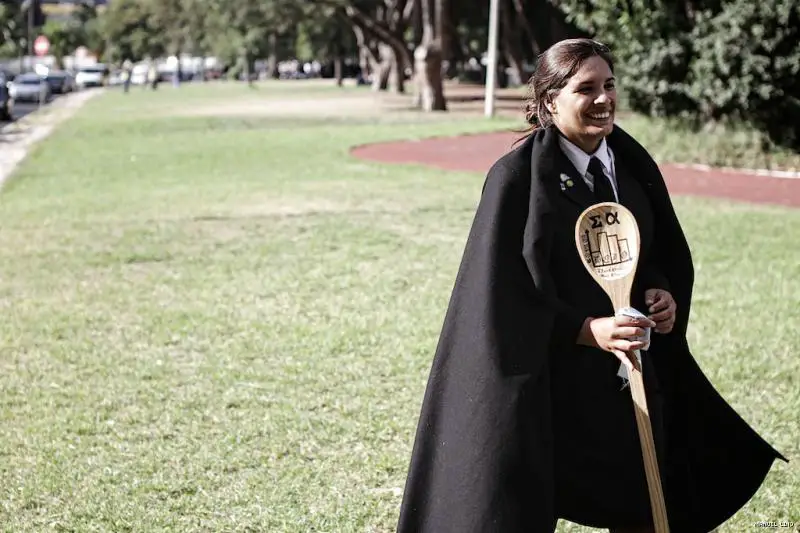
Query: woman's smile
(601,117)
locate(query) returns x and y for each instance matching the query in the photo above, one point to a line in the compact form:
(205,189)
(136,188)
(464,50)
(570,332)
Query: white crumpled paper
(623,370)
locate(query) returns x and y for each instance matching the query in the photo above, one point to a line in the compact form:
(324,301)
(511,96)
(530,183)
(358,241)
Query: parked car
(117,77)
(60,82)
(139,74)
(6,102)
(94,76)
(29,88)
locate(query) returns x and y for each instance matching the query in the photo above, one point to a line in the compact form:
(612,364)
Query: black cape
(482,457)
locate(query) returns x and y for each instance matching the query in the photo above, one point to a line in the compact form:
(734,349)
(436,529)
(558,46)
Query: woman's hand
(661,307)
(615,334)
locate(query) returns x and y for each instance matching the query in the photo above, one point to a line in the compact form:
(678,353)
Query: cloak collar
(553,168)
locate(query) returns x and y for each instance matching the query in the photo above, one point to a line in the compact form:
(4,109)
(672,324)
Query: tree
(82,28)
(651,43)
(746,66)
(705,60)
(11,29)
(128,26)
(428,57)
(325,34)
(15,20)
(380,27)
(239,32)
(63,39)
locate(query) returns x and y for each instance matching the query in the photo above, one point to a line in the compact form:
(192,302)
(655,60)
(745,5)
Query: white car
(94,76)
(29,88)
(139,74)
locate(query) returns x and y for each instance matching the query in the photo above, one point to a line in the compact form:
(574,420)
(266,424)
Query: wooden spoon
(607,238)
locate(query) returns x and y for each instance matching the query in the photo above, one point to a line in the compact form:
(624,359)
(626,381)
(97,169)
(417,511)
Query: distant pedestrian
(152,77)
(127,74)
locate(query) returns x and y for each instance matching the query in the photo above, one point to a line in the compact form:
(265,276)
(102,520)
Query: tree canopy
(699,59)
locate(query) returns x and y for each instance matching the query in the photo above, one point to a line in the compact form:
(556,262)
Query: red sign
(41,45)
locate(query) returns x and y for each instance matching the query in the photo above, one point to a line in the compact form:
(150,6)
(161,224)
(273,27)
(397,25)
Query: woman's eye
(585,90)
(610,86)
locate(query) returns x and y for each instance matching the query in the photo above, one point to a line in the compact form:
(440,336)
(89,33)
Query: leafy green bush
(747,66)
(727,61)
(650,41)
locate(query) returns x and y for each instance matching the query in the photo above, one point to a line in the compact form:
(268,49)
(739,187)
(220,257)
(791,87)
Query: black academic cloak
(482,460)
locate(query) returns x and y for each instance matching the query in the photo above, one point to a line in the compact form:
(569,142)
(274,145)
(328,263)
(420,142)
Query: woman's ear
(551,106)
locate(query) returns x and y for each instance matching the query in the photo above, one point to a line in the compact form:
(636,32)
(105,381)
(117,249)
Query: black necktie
(602,185)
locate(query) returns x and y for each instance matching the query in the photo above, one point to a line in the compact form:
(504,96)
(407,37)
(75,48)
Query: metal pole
(31,6)
(491,60)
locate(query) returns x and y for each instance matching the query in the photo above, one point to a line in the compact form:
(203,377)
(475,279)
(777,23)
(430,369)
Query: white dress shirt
(580,159)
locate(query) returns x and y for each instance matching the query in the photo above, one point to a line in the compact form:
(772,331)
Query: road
(23,108)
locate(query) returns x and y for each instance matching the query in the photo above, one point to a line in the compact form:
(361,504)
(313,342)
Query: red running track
(476,153)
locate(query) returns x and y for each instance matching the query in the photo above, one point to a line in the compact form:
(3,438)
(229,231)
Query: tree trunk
(366,57)
(428,65)
(389,37)
(178,75)
(375,75)
(527,27)
(380,77)
(394,81)
(430,90)
(398,77)
(444,26)
(416,24)
(337,70)
(363,61)
(517,76)
(511,45)
(272,58)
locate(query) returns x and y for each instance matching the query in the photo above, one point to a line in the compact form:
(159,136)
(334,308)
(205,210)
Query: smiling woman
(525,419)
(583,110)
(575,89)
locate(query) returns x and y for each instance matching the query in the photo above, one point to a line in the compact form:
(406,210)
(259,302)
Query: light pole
(491,60)
(28,5)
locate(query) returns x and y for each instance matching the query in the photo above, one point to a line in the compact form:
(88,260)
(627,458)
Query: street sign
(41,45)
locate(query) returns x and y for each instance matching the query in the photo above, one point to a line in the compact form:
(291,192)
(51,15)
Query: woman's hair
(554,67)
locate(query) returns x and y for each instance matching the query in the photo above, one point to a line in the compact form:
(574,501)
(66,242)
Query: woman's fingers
(665,319)
(627,332)
(625,345)
(624,320)
(659,305)
(617,334)
(666,326)
(662,308)
(666,314)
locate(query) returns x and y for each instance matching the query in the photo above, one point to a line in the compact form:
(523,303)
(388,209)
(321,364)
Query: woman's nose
(602,98)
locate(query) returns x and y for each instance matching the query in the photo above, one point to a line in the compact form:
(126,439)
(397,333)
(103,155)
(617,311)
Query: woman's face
(584,109)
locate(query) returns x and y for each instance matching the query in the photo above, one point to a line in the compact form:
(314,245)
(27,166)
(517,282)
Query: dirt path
(477,153)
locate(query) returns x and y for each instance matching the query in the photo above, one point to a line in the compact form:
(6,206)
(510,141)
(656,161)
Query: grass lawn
(225,323)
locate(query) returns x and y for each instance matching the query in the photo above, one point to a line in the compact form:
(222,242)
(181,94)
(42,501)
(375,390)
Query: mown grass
(226,323)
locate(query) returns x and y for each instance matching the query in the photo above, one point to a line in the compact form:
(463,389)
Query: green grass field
(226,323)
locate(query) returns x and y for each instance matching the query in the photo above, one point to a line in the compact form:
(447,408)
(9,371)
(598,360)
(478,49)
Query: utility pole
(30,28)
(28,5)
(491,59)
